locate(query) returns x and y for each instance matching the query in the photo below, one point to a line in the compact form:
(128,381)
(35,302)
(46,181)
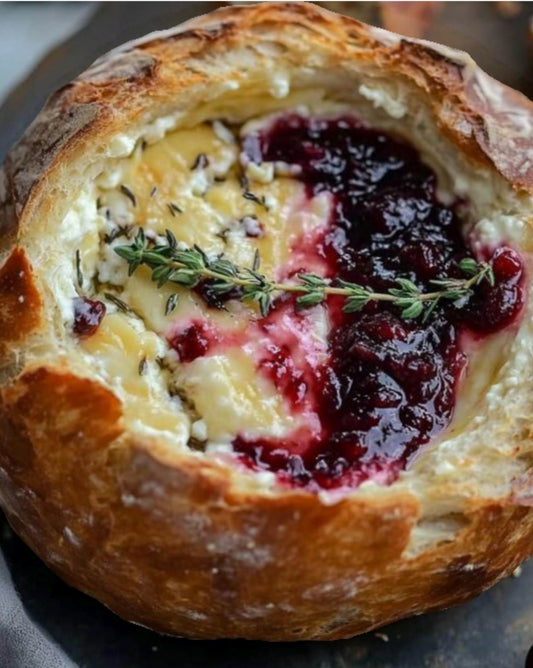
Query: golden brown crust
(20,300)
(177,550)
(168,541)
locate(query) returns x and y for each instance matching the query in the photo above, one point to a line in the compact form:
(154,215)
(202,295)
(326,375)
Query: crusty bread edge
(176,547)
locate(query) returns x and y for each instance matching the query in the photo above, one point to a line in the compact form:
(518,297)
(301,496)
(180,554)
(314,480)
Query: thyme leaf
(129,194)
(187,267)
(79,274)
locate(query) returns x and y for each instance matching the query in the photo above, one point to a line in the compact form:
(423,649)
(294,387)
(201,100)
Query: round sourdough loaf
(97,472)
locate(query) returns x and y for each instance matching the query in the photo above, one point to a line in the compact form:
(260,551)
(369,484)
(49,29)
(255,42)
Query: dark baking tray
(495,630)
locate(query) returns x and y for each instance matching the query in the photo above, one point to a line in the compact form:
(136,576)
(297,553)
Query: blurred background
(44,45)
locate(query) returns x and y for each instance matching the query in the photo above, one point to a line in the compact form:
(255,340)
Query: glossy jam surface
(193,340)
(388,385)
(88,314)
(372,388)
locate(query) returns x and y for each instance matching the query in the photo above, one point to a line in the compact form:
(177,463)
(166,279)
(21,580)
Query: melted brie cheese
(233,398)
(127,354)
(189,183)
(168,185)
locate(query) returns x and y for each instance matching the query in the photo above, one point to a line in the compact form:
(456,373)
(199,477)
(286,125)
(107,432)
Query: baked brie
(266,330)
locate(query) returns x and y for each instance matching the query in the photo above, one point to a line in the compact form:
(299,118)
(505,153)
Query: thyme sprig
(171,262)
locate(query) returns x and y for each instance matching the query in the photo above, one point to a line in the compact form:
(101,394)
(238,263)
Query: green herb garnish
(187,267)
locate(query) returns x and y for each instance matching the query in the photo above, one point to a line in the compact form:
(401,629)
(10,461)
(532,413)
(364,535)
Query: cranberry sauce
(193,340)
(88,314)
(380,386)
(388,385)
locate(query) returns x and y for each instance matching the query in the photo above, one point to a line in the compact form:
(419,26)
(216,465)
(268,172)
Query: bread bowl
(187,537)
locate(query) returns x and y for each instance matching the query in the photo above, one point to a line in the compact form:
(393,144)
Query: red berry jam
(88,314)
(389,385)
(193,340)
(213,298)
(384,386)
